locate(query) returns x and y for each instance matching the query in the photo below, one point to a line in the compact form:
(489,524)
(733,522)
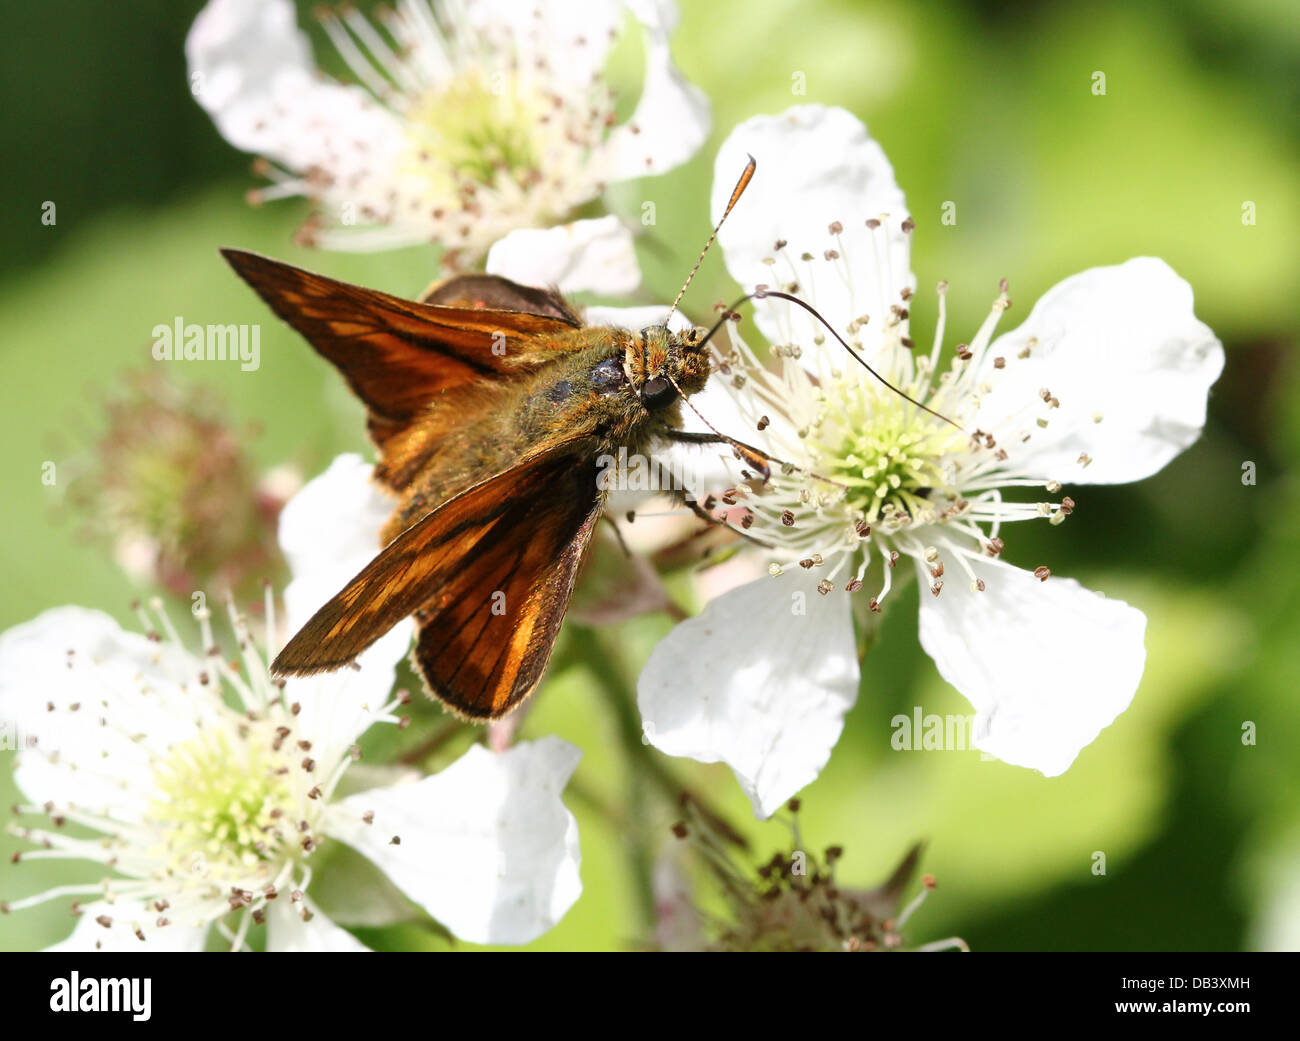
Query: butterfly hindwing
(501,294)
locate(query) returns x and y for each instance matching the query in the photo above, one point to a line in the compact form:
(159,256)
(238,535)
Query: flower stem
(605,664)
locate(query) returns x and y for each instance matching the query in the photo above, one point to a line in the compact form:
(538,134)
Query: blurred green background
(989,105)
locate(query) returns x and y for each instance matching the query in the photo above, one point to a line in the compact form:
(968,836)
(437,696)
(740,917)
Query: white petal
(588,255)
(816,165)
(755,684)
(329,531)
(487,846)
(671,120)
(1047,665)
(287,932)
(59,699)
(251,69)
(335,708)
(119,936)
(573,38)
(636,318)
(1116,342)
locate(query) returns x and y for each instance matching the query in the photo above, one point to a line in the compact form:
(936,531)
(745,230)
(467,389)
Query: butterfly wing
(488,576)
(398,355)
(496,293)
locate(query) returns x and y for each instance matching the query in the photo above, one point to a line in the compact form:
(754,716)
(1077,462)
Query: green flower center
(479,128)
(890,462)
(223,804)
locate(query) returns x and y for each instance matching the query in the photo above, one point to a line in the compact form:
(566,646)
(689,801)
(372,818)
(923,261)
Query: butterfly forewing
(488,575)
(398,355)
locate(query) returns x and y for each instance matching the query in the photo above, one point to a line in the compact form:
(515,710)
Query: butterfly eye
(657,392)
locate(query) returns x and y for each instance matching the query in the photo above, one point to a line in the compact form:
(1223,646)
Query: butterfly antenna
(760,294)
(736,193)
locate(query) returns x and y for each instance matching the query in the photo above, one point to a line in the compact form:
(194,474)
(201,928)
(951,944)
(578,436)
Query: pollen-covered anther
(977,586)
(936,588)
(825,586)
(1042,573)
(994,546)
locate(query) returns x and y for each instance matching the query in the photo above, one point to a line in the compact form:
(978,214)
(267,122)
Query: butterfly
(491,406)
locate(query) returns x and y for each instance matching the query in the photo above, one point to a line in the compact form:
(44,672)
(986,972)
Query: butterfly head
(665,364)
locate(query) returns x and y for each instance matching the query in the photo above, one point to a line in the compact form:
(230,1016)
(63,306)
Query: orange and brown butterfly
(490,404)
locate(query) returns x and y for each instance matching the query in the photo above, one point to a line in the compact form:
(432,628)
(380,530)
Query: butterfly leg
(668,485)
(755,457)
(613,525)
